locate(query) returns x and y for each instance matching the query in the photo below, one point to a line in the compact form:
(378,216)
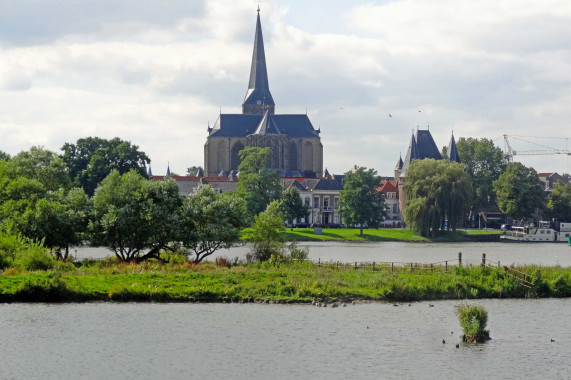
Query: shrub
(473,319)
(296,253)
(45,288)
(35,257)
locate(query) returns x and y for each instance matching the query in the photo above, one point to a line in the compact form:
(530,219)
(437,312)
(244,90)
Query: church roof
(267,126)
(242,125)
(399,164)
(258,87)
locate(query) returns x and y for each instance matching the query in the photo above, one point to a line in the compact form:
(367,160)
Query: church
(296,145)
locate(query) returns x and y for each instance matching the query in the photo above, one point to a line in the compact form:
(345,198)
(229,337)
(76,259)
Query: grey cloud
(34,22)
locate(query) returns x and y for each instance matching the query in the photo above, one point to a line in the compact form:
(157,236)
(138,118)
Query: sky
(158,73)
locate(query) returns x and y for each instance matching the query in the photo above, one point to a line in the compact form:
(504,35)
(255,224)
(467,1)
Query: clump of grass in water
(473,319)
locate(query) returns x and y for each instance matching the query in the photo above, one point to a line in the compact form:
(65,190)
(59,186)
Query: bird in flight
(390,115)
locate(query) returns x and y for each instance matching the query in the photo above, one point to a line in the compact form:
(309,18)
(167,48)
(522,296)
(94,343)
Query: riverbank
(296,282)
(388,234)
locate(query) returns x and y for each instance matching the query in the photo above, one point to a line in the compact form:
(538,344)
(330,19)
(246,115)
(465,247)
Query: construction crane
(546,151)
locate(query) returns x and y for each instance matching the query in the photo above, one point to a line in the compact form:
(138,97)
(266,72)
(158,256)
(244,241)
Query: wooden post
(446,267)
(392,267)
(499,264)
(373,266)
(319,262)
(410,267)
(431,269)
(459,259)
(483,259)
(355,265)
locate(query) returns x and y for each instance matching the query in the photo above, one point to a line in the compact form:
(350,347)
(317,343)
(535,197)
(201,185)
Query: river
(252,341)
(547,254)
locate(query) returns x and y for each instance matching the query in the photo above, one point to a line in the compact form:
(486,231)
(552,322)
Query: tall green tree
(210,221)
(436,191)
(519,191)
(42,165)
(559,205)
(4,156)
(484,163)
(266,235)
(292,206)
(360,203)
(134,217)
(92,159)
(257,184)
(60,220)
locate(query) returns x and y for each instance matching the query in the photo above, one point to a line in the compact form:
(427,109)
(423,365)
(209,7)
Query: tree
(559,205)
(210,221)
(360,203)
(519,191)
(484,163)
(134,217)
(257,184)
(436,191)
(292,206)
(4,156)
(193,170)
(42,165)
(92,159)
(60,220)
(266,233)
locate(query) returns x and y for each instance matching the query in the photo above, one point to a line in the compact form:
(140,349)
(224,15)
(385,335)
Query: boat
(540,233)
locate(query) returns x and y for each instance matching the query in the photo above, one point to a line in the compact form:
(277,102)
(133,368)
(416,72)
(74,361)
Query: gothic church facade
(296,145)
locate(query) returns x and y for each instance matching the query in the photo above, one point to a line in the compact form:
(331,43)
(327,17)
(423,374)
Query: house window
(325,202)
(307,201)
(395,208)
(336,203)
(316,202)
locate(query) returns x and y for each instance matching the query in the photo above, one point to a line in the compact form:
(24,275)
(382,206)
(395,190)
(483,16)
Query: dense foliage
(258,185)
(210,221)
(436,191)
(292,205)
(484,162)
(266,233)
(360,203)
(559,205)
(473,319)
(134,217)
(92,159)
(519,191)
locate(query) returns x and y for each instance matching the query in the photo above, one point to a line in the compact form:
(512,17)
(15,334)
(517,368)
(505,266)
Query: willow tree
(436,191)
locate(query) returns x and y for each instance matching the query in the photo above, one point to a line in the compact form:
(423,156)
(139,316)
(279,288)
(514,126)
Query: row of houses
(320,195)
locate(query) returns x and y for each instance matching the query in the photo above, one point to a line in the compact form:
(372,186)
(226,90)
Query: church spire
(258,99)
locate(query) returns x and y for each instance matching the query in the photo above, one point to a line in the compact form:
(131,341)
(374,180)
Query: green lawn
(352,234)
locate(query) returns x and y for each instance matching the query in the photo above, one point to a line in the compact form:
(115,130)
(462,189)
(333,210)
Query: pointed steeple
(411,154)
(258,98)
(452,150)
(168,169)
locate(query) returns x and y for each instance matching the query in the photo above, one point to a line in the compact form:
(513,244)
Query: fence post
(410,267)
(431,269)
(483,259)
(355,265)
(392,267)
(459,259)
(319,262)
(446,267)
(373,266)
(499,263)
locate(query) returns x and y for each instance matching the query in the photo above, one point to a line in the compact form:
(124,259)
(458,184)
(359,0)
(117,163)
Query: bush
(35,257)
(473,319)
(44,289)
(296,253)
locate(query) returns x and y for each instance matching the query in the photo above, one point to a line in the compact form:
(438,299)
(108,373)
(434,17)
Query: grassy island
(287,282)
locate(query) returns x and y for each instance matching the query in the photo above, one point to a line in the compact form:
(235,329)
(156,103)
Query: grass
(352,234)
(264,282)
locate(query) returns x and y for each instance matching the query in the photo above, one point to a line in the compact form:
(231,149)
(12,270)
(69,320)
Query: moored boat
(540,233)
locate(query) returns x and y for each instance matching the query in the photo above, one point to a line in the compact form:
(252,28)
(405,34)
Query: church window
(308,156)
(293,157)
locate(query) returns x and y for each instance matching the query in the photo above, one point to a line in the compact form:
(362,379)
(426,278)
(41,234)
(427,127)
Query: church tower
(295,144)
(258,98)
